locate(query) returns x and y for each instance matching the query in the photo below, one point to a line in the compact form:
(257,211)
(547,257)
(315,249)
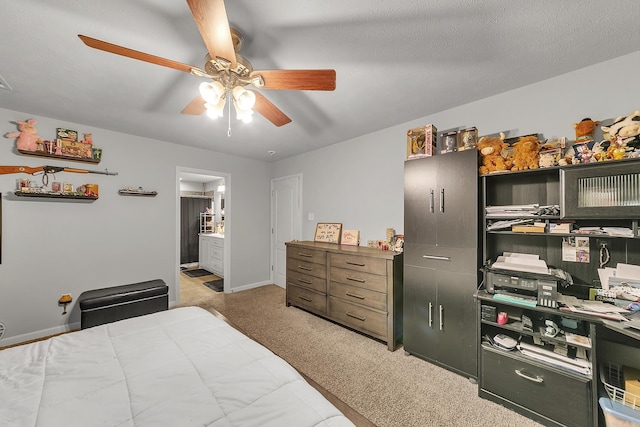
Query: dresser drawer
(216,253)
(359,317)
(377,300)
(305,298)
(536,388)
(360,263)
(306,281)
(307,268)
(359,279)
(217,242)
(308,255)
(216,265)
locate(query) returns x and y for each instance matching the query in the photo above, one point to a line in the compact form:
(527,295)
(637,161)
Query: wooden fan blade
(213,24)
(195,107)
(297,79)
(134,54)
(270,111)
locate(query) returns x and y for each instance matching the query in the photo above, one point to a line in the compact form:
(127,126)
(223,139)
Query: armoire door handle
(441,319)
(430,315)
(442,200)
(431,201)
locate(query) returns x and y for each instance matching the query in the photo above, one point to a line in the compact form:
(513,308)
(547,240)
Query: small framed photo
(66,134)
(328,232)
(350,237)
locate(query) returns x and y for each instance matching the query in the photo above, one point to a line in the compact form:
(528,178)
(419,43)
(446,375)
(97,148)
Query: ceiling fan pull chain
(229,116)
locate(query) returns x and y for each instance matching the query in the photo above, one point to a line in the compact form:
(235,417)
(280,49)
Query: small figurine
(87,138)
(27,135)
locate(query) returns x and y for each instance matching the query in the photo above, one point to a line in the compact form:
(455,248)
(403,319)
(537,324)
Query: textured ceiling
(395,61)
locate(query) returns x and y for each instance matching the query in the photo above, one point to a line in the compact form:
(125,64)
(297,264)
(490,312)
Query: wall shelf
(142,193)
(60,157)
(55,196)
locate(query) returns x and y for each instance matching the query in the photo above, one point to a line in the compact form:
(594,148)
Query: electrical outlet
(3,328)
(602,243)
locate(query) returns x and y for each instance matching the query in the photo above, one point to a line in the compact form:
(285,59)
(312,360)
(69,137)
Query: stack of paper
(580,366)
(627,272)
(530,263)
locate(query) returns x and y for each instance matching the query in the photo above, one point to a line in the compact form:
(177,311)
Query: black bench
(106,305)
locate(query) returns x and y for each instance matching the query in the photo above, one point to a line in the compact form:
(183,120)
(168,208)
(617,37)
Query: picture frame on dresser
(328,232)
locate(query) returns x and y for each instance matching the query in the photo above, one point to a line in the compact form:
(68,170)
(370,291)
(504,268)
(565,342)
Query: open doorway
(202,229)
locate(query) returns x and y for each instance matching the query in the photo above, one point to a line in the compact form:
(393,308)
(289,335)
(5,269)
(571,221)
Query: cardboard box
(631,385)
(421,142)
(75,148)
(449,142)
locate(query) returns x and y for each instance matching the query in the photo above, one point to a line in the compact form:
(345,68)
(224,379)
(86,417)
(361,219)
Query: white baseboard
(251,286)
(38,334)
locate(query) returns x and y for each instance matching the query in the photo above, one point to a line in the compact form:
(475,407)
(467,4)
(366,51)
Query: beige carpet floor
(389,388)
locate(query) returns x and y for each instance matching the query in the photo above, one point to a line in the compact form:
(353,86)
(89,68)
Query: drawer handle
(441,258)
(355,263)
(308,282)
(305,255)
(353,279)
(302,267)
(536,379)
(354,295)
(362,319)
(305,299)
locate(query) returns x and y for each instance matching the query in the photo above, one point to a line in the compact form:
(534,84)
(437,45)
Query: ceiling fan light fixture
(245,99)
(244,114)
(215,110)
(212,92)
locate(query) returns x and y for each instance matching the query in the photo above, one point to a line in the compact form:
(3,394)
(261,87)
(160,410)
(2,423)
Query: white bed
(180,367)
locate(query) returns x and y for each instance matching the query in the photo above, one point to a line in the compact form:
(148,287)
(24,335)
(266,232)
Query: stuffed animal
(624,132)
(27,137)
(526,156)
(490,149)
(584,130)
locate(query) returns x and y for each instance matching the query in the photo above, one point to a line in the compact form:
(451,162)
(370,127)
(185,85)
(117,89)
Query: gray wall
(363,187)
(52,247)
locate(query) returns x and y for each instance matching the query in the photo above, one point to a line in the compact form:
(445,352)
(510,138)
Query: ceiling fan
(229,71)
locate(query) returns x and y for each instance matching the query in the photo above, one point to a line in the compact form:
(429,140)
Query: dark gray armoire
(442,259)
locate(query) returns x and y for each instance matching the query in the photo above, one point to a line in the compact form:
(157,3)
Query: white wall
(52,247)
(359,182)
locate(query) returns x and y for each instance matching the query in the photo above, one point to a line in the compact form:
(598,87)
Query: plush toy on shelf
(490,148)
(624,136)
(27,135)
(583,147)
(527,153)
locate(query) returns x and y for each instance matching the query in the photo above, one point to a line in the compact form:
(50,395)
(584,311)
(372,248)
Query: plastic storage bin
(619,415)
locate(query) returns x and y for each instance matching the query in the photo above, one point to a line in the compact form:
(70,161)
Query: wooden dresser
(358,287)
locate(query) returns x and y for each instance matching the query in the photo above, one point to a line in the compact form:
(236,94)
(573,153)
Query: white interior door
(286,222)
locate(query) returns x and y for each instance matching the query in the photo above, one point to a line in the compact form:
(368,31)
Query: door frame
(297,230)
(227,225)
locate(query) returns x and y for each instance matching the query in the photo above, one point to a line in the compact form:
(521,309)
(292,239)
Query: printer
(523,277)
(544,291)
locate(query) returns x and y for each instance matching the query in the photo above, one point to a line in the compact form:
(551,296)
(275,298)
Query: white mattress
(180,367)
